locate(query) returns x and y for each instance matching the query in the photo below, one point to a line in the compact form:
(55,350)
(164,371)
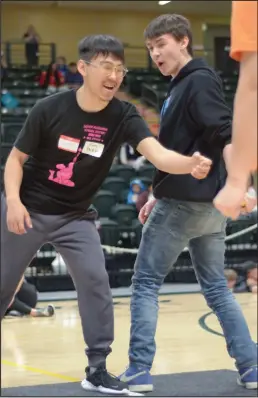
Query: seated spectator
(252,279)
(143,198)
(128,155)
(245,280)
(52,80)
(25,301)
(231,277)
(61,65)
(136,188)
(73,78)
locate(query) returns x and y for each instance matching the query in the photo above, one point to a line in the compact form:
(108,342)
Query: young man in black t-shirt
(59,161)
(183,214)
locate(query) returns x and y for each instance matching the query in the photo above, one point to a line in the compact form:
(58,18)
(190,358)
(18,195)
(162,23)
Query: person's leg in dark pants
(17,251)
(78,242)
(25,302)
(28,294)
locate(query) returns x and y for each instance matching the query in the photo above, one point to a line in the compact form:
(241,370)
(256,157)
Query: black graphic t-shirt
(71,151)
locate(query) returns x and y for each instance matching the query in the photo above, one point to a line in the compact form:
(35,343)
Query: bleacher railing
(14,52)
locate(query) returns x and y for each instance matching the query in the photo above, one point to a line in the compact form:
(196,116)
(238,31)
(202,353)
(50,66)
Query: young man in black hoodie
(194,117)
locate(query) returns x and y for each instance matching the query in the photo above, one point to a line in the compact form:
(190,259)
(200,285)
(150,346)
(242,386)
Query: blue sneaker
(248,378)
(138,379)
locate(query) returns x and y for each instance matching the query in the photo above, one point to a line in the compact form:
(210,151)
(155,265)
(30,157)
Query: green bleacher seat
(109,232)
(124,214)
(114,184)
(145,180)
(126,172)
(25,93)
(5,150)
(103,202)
(147,171)
(9,132)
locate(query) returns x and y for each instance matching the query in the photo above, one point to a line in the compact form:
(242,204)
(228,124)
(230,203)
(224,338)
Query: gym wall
(65,26)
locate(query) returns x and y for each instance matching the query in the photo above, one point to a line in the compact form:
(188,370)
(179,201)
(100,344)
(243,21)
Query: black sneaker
(102,381)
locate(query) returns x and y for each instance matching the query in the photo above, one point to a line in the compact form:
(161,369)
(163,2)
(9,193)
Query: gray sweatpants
(78,242)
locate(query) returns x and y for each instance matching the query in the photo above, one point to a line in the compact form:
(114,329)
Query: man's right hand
(17,218)
(146,210)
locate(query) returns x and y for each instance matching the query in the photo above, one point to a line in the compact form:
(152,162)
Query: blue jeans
(173,225)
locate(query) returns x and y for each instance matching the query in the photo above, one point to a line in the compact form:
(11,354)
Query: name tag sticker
(93,149)
(68,143)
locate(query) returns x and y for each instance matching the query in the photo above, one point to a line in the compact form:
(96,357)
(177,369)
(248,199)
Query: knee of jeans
(216,295)
(143,282)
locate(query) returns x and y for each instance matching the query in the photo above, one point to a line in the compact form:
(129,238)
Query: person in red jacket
(52,79)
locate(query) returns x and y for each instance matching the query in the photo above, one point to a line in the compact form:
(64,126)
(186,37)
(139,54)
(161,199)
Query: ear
(82,68)
(184,43)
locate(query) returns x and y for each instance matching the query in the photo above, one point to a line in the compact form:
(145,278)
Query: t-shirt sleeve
(243,28)
(30,134)
(135,129)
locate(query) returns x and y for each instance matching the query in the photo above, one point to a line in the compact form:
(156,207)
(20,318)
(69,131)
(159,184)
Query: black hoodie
(195,117)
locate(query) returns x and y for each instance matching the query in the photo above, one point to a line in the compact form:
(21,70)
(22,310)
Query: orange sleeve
(243,28)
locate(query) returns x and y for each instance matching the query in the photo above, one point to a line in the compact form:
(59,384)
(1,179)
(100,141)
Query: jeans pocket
(199,209)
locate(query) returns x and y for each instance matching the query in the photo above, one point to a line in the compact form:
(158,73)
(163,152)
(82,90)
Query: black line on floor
(204,326)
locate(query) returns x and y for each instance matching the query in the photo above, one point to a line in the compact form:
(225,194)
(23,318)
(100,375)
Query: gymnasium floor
(46,356)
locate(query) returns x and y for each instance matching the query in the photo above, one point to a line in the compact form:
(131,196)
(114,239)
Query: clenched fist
(201,166)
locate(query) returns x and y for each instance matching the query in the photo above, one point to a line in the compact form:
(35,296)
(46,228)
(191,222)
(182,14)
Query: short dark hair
(173,24)
(91,46)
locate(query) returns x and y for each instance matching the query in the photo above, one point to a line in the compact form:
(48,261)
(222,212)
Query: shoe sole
(86,385)
(141,388)
(252,385)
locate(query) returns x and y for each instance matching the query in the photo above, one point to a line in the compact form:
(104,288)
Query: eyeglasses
(108,68)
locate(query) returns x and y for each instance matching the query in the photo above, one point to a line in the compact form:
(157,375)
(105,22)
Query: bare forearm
(13,178)
(173,163)
(244,137)
(227,154)
(163,159)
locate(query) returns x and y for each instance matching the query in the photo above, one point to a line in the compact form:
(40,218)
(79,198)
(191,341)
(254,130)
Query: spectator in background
(32,39)
(144,197)
(52,79)
(73,78)
(136,188)
(245,280)
(61,65)
(231,276)
(129,156)
(25,301)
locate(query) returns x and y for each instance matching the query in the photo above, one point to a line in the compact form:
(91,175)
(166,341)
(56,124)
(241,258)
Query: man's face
(102,75)
(166,53)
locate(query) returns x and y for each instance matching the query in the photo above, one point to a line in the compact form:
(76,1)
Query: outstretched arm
(172,162)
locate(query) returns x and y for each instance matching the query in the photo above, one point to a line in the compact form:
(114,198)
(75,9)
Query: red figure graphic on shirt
(64,173)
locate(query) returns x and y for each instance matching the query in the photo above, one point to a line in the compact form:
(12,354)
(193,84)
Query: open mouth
(160,64)
(109,87)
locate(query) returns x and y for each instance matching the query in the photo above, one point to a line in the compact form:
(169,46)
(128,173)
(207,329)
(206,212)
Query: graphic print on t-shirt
(91,144)
(95,137)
